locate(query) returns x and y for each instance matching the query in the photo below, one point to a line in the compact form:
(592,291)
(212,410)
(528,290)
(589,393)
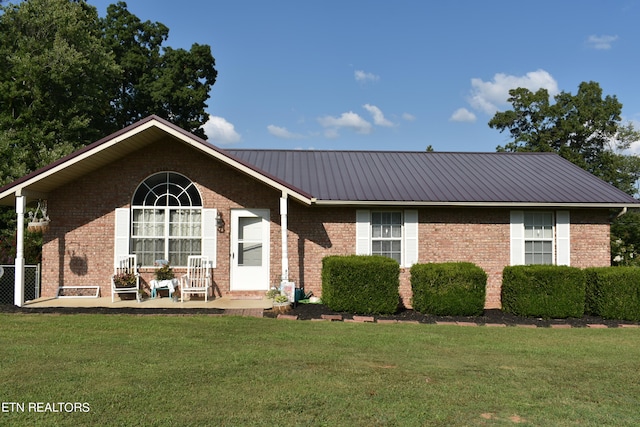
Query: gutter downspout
(622,212)
(18,296)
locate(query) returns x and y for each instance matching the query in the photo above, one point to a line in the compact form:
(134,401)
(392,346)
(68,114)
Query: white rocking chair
(198,277)
(125,269)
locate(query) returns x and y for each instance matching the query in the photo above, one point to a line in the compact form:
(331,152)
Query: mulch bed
(316,311)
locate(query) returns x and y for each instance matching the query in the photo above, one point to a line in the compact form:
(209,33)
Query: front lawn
(233,371)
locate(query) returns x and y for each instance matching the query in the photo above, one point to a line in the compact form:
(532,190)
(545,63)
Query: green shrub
(449,289)
(547,291)
(361,284)
(613,292)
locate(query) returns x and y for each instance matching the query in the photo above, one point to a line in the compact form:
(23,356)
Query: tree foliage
(171,83)
(55,75)
(68,77)
(585,129)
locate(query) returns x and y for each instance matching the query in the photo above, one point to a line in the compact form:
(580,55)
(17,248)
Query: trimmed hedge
(547,291)
(613,292)
(448,289)
(361,284)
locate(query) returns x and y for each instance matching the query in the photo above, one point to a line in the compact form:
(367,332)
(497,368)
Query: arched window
(166,219)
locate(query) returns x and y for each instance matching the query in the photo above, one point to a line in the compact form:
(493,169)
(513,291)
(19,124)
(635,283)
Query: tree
(55,74)
(171,83)
(68,78)
(583,128)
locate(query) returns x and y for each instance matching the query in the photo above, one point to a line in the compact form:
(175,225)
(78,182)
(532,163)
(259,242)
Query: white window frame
(409,238)
(561,240)
(536,232)
(207,225)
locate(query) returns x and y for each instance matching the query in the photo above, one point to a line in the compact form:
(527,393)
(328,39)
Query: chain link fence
(7,283)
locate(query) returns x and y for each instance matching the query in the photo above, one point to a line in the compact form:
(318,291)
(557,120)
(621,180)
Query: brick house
(264,216)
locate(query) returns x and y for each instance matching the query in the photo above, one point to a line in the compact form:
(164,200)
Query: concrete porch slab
(223,303)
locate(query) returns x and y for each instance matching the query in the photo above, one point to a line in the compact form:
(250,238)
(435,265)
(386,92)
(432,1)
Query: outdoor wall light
(220,223)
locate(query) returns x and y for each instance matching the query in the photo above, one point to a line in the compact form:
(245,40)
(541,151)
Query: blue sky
(401,75)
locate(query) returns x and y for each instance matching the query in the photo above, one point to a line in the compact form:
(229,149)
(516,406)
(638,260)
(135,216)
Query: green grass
(232,371)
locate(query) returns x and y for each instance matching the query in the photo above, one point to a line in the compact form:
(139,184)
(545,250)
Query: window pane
(180,249)
(396,218)
(386,234)
(250,228)
(148,250)
(250,254)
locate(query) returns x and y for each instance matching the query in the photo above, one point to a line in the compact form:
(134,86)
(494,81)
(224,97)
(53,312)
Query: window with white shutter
(540,237)
(393,234)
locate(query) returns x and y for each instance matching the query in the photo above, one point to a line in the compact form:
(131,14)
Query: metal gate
(7,283)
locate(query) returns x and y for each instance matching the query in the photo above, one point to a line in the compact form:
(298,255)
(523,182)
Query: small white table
(170,284)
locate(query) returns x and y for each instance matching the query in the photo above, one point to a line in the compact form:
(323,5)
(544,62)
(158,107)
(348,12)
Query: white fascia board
(473,204)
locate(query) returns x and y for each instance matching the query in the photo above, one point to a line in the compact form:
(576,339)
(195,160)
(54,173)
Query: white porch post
(284,228)
(18,297)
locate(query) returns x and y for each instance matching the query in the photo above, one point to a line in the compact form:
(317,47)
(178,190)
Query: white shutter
(363,232)
(517,237)
(563,238)
(121,240)
(410,237)
(209,234)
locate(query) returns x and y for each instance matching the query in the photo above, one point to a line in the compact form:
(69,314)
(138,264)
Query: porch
(225,303)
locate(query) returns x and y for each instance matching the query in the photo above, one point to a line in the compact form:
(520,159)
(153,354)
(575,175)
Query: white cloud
(348,120)
(378,116)
(220,131)
(361,76)
(408,117)
(281,132)
(463,115)
(488,97)
(601,42)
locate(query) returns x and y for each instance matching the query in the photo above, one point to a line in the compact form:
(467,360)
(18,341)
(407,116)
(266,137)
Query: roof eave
(392,203)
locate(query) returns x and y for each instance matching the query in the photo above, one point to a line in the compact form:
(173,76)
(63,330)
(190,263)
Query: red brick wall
(479,236)
(79,249)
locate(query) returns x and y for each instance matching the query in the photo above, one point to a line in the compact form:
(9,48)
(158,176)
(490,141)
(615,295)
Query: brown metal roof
(436,177)
(354,177)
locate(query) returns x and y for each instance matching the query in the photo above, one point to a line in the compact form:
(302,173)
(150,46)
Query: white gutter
(472,204)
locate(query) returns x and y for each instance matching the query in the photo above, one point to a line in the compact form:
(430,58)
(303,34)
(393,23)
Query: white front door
(249,249)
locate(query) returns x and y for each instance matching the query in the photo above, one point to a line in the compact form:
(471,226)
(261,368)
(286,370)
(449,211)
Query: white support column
(284,228)
(18,297)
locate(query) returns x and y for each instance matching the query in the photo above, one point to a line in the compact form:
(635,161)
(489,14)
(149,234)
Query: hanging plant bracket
(38,219)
